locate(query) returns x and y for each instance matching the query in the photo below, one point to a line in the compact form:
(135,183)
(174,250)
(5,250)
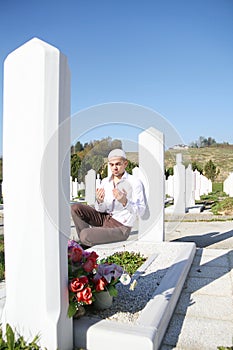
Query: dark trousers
(104,229)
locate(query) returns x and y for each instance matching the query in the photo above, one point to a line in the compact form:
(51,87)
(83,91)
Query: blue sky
(174,57)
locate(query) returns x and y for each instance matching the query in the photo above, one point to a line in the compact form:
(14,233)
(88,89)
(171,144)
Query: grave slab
(148,330)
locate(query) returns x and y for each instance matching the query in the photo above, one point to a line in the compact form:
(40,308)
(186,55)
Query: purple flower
(108,271)
(72,243)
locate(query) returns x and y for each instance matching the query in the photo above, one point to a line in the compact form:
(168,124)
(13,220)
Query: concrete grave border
(94,334)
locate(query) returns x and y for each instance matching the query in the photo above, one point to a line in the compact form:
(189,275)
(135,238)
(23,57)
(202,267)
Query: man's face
(118,165)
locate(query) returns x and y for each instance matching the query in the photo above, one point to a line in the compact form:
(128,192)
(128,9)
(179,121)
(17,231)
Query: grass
(221,155)
(130,261)
(218,202)
(224,207)
(13,341)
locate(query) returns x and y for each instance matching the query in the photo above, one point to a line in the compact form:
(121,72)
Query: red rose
(85,296)
(75,285)
(100,284)
(76,254)
(90,264)
(83,279)
(93,255)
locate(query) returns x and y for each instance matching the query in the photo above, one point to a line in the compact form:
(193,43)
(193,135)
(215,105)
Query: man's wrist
(125,203)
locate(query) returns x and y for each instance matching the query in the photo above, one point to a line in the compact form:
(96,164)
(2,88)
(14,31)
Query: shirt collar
(124,176)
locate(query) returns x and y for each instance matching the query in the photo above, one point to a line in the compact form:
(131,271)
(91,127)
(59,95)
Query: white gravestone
(170,186)
(151,165)
(228,185)
(189,187)
(205,185)
(75,188)
(197,181)
(90,185)
(37,213)
(179,186)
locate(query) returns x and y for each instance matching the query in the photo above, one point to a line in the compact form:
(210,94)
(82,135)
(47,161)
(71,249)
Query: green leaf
(112,291)
(10,337)
(72,309)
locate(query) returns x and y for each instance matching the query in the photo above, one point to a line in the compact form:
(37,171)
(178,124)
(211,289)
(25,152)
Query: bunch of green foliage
(213,196)
(217,186)
(12,342)
(130,261)
(211,171)
(225,348)
(226,205)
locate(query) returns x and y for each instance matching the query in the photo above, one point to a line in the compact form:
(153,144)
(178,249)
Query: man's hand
(120,196)
(100,194)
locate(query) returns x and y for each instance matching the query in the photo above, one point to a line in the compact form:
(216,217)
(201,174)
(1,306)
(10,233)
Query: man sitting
(119,201)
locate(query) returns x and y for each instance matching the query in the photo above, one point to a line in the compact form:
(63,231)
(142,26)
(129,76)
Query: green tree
(168,172)
(78,146)
(196,166)
(203,142)
(75,163)
(131,166)
(84,167)
(96,162)
(211,171)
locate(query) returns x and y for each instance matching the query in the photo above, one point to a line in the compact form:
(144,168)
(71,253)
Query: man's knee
(85,236)
(75,208)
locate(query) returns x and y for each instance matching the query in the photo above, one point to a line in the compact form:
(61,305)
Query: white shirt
(135,199)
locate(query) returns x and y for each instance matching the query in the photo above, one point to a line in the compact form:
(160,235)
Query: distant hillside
(221,155)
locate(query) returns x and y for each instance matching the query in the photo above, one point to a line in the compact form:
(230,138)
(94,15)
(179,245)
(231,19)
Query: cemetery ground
(203,317)
(221,155)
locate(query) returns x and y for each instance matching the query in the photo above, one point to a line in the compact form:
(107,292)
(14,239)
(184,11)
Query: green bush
(217,187)
(210,197)
(130,261)
(226,206)
(213,196)
(12,342)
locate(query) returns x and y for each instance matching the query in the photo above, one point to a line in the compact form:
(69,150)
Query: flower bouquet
(87,277)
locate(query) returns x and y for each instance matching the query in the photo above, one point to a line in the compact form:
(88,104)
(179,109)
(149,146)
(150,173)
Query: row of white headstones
(37,213)
(191,183)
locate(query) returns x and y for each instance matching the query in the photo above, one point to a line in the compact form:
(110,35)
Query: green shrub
(224,206)
(217,187)
(210,197)
(213,196)
(130,261)
(16,342)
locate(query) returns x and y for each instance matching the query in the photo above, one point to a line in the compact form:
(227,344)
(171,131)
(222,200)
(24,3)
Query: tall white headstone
(205,185)
(90,185)
(179,186)
(189,187)
(151,160)
(228,185)
(170,186)
(197,180)
(36,207)
(75,188)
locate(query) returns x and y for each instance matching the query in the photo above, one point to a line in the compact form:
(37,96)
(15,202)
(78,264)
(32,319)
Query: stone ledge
(94,334)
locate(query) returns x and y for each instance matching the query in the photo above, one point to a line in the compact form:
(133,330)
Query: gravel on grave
(128,305)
